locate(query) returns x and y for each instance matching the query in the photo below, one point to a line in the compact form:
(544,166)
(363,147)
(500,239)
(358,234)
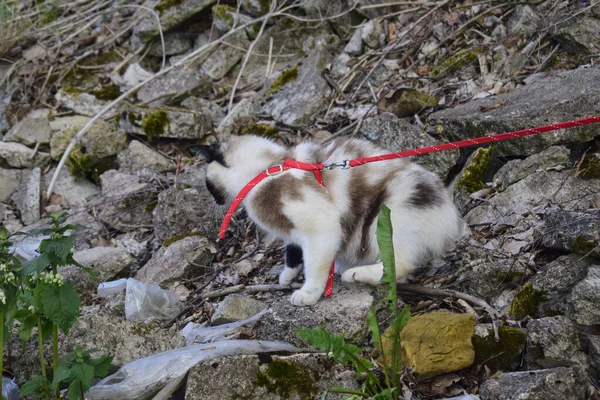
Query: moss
(110,92)
(283,378)
(166,4)
(551,312)
(155,124)
(454,63)
(224,14)
(582,245)
(503,354)
(285,77)
(406,102)
(82,165)
(174,239)
(264,130)
(526,302)
(589,167)
(472,179)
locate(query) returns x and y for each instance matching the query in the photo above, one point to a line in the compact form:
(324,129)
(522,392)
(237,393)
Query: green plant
(391,362)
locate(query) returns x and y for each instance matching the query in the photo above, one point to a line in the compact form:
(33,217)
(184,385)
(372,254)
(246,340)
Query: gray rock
(578,232)
(33,129)
(396,134)
(548,100)
(340,66)
(580,35)
(27,196)
(355,44)
(185,258)
(70,121)
(100,141)
(236,307)
(184,211)
(83,103)
(11,179)
(547,384)
(170,16)
(295,377)
(168,122)
(515,170)
(17,155)
(553,342)
(595,351)
(4,101)
(181,82)
(370,33)
(93,227)
(523,21)
(586,297)
(175,43)
(206,108)
(139,156)
(106,263)
(344,312)
(490,279)
(76,192)
(220,62)
(241,111)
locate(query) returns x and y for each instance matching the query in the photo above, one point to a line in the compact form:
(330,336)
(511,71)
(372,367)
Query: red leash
(318,167)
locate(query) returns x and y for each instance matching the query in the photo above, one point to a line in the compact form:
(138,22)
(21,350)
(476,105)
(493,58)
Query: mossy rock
(166,4)
(454,63)
(589,167)
(504,354)
(582,245)
(526,302)
(284,378)
(406,102)
(155,124)
(286,76)
(472,178)
(223,17)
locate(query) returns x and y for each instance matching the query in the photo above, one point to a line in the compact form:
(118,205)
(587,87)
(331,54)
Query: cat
(338,220)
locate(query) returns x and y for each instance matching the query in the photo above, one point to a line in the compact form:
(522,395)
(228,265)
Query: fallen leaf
(392,33)
(493,107)
(440,384)
(423,70)
(35,52)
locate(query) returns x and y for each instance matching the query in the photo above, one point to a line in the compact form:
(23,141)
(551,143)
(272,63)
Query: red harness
(318,167)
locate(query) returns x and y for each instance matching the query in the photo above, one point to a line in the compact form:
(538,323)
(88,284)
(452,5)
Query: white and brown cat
(337,221)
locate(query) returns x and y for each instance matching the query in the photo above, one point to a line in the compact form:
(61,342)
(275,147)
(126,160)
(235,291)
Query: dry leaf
(440,384)
(493,107)
(392,32)
(35,52)
(100,242)
(423,70)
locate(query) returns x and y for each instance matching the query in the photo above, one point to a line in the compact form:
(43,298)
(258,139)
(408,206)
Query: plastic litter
(194,333)
(106,289)
(144,301)
(463,397)
(10,389)
(141,379)
(26,249)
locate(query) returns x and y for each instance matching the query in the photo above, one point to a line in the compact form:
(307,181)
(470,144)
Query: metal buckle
(276,172)
(343,164)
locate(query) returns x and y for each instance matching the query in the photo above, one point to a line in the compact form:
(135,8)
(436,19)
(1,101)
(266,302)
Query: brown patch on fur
(365,239)
(268,202)
(426,194)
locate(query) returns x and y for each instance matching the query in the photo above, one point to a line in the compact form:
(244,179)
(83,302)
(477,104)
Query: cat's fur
(337,221)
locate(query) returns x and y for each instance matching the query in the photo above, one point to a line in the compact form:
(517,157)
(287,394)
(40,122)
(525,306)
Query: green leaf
(59,249)
(27,324)
(35,265)
(60,304)
(101,365)
(35,385)
(81,378)
(374,328)
(319,338)
(62,374)
(401,320)
(386,253)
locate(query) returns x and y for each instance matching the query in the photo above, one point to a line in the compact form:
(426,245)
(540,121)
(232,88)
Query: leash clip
(280,170)
(331,165)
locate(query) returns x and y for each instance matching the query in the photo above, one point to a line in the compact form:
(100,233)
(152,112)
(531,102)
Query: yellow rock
(436,343)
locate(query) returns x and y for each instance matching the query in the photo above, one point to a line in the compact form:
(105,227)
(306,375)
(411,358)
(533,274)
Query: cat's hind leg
(372,274)
(293,264)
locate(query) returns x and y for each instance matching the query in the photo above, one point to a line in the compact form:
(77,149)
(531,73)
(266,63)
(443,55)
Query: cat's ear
(210,153)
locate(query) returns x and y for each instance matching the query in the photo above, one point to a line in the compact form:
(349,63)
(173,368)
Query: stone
(523,21)
(185,258)
(578,232)
(550,100)
(406,102)
(167,122)
(82,103)
(370,33)
(438,342)
(515,170)
(11,179)
(27,197)
(184,211)
(585,298)
(17,155)
(70,121)
(4,101)
(175,43)
(395,134)
(354,47)
(100,141)
(33,129)
(206,108)
(490,279)
(242,111)
(344,312)
(221,61)
(503,354)
(236,307)
(172,13)
(595,351)
(553,342)
(180,81)
(76,192)
(581,36)
(106,263)
(299,376)
(139,156)
(546,384)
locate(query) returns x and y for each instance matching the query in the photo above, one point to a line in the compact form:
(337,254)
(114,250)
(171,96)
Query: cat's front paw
(349,275)
(301,298)
(288,275)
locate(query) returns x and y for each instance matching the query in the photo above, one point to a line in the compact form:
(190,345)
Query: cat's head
(232,164)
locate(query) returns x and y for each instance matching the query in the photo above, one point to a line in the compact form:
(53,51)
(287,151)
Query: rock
(344,312)
(406,102)
(578,232)
(181,81)
(168,122)
(82,103)
(504,354)
(175,43)
(4,101)
(256,8)
(32,130)
(545,101)
(553,342)
(93,227)
(370,33)
(438,342)
(546,384)
(241,112)
(515,170)
(355,44)
(100,141)
(523,21)
(471,178)
(586,297)
(236,307)
(595,351)
(11,179)
(106,263)
(220,62)
(126,201)
(340,66)
(185,258)
(184,211)
(489,279)
(299,376)
(76,192)
(582,36)
(71,121)
(139,156)
(395,134)
(206,108)
(17,155)
(172,13)
(28,196)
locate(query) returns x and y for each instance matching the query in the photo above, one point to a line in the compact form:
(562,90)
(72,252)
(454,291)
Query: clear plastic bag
(194,333)
(106,289)
(144,301)
(10,389)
